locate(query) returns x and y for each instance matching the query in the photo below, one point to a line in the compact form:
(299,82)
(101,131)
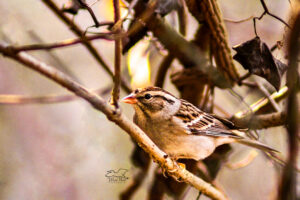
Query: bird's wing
(198,122)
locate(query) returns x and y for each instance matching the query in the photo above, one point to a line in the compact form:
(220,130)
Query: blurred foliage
(64,150)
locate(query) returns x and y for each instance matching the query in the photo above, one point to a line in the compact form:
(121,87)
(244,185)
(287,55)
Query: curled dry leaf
(255,56)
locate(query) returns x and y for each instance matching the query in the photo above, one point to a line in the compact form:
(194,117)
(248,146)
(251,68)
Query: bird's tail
(252,143)
(257,144)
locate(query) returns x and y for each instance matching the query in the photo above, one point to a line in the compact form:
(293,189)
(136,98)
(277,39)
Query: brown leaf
(255,56)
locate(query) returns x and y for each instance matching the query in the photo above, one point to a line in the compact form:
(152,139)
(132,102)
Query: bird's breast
(173,139)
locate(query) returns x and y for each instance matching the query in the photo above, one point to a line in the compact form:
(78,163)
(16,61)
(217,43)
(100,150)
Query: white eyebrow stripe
(169,97)
(164,95)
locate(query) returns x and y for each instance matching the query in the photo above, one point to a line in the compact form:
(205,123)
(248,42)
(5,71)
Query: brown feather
(207,125)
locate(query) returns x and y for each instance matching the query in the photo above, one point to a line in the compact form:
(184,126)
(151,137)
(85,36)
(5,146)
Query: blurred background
(64,150)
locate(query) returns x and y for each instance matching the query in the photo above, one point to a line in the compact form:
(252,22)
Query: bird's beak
(131,99)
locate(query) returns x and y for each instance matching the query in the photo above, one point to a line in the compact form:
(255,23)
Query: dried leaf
(255,56)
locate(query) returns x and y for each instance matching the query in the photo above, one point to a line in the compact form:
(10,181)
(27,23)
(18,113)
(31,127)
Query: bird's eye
(148,96)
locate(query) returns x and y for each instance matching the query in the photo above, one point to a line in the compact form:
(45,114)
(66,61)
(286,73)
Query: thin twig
(130,8)
(93,3)
(118,55)
(263,102)
(266,12)
(47,99)
(53,56)
(86,43)
(267,94)
(88,8)
(116,116)
(238,21)
(247,75)
(238,96)
(64,43)
(104,23)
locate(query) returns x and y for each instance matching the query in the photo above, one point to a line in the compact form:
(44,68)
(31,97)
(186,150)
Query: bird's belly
(178,144)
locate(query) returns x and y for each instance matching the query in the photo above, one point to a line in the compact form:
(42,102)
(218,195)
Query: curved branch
(89,9)
(261,121)
(86,43)
(120,119)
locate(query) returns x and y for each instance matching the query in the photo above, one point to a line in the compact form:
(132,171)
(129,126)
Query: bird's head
(153,102)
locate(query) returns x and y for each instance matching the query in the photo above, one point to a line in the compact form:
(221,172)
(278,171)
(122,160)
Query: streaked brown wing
(201,123)
(211,127)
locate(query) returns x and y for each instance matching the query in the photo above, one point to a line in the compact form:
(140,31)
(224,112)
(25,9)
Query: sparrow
(180,129)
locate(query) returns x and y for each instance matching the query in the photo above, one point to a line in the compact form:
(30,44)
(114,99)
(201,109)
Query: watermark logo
(117,176)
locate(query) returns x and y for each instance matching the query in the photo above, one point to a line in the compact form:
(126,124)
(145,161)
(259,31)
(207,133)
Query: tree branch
(127,125)
(118,55)
(187,53)
(262,103)
(162,70)
(266,12)
(209,11)
(86,43)
(47,99)
(287,187)
(260,121)
(64,43)
(262,88)
(84,5)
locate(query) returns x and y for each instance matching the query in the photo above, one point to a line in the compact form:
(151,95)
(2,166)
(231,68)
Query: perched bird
(179,128)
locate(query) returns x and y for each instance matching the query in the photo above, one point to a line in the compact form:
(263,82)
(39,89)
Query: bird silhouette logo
(116,176)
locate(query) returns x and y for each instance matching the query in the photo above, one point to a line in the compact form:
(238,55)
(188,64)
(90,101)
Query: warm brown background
(62,151)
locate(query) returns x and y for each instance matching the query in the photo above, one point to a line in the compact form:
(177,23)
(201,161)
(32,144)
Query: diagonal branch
(75,29)
(84,5)
(263,103)
(64,43)
(123,122)
(186,52)
(208,11)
